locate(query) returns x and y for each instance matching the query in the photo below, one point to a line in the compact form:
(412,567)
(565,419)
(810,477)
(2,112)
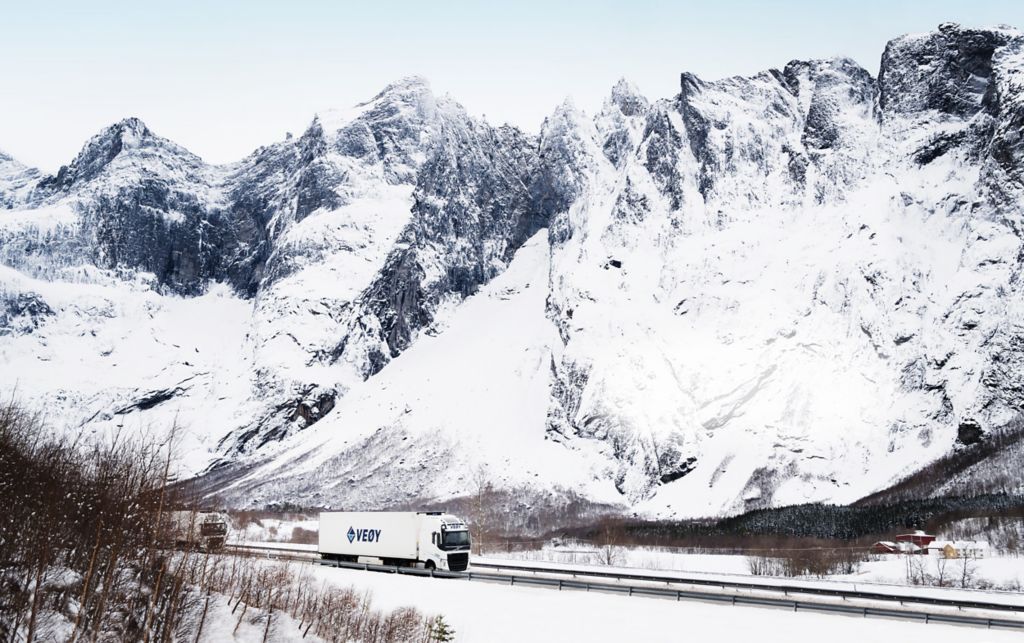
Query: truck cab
(444,542)
(205,530)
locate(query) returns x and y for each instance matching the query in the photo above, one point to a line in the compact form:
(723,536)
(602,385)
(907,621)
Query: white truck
(427,539)
(206,530)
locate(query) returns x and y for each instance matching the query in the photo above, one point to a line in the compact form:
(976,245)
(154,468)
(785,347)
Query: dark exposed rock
(969,432)
(129,134)
(22,312)
(829,85)
(556,174)
(631,206)
(314,406)
(663,143)
(151,399)
(697,127)
(949,70)
(939,146)
(629,101)
(314,187)
(472,211)
(717,140)
(679,470)
(617,146)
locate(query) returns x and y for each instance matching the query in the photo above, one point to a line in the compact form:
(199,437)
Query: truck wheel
(430,565)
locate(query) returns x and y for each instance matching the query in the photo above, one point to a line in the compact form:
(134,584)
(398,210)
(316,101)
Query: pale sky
(222,78)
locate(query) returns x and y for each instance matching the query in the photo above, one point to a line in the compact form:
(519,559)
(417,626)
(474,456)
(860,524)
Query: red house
(885,547)
(918,538)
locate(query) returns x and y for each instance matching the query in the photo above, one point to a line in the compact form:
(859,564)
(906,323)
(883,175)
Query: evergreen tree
(440,631)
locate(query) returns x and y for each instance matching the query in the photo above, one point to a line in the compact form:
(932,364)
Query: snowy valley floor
(486,613)
(996,572)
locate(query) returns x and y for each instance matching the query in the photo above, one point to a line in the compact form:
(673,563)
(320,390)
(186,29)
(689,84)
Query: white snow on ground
(885,574)
(489,613)
(853,582)
(1003,572)
(263,544)
(220,626)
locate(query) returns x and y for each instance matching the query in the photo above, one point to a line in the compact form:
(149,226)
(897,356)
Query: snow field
(1003,575)
(491,613)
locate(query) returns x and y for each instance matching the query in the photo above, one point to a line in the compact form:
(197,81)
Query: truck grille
(213,529)
(458,562)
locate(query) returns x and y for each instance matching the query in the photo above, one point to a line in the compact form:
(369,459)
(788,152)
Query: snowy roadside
(497,613)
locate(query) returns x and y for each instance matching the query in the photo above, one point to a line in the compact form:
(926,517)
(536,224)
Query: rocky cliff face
(802,219)
(798,285)
(15,181)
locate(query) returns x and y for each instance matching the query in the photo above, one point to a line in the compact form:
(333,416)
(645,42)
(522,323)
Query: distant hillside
(991,465)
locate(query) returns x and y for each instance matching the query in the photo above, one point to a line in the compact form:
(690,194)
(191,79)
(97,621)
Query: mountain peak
(413,82)
(132,125)
(99,151)
(948,70)
(410,90)
(627,97)
(405,94)
(624,86)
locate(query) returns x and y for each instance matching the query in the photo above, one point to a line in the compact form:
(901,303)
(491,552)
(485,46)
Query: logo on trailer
(363,535)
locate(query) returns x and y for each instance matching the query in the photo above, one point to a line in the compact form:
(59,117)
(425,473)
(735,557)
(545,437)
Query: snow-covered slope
(15,180)
(472,391)
(793,286)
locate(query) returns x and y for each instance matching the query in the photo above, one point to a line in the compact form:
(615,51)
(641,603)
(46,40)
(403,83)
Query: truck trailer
(426,539)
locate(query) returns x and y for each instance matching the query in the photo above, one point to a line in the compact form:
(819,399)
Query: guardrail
(679,595)
(788,602)
(771,587)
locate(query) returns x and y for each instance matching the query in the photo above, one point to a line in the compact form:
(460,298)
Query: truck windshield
(455,539)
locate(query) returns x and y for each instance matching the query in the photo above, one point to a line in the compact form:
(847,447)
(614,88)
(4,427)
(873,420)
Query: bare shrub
(941,572)
(818,562)
(914,565)
(609,551)
(82,531)
(86,553)
(967,567)
(764,566)
(480,518)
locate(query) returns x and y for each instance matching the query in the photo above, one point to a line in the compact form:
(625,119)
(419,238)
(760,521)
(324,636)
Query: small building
(890,547)
(918,538)
(958,549)
(918,542)
(884,547)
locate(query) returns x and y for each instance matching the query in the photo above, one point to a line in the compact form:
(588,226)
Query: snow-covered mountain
(799,285)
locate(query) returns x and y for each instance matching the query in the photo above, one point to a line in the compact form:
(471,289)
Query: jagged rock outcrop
(15,181)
